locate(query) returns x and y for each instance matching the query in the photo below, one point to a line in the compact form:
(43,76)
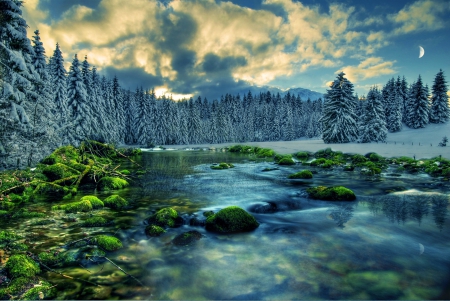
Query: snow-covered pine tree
(373,125)
(119,114)
(83,122)
(393,104)
(17,80)
(59,87)
(440,107)
(418,106)
(338,119)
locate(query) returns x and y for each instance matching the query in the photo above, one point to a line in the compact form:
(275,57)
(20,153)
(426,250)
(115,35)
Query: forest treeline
(43,106)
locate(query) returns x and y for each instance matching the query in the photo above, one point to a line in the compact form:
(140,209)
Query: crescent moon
(422,51)
(421,248)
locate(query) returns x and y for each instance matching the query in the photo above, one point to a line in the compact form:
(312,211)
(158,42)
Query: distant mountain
(304,93)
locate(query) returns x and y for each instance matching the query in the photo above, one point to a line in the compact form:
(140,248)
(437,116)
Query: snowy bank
(421,143)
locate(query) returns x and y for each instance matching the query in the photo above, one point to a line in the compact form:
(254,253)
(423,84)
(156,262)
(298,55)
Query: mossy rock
(59,171)
(304,174)
(17,286)
(222,166)
(285,160)
(17,246)
(111,183)
(24,213)
(302,155)
(265,153)
(115,202)
(166,217)
(358,159)
(154,230)
(44,290)
(16,199)
(48,258)
(8,236)
(370,168)
(125,172)
(96,221)
(187,238)
(349,167)
(95,201)
(231,219)
(20,265)
(270,169)
(324,163)
(80,206)
(108,243)
(337,193)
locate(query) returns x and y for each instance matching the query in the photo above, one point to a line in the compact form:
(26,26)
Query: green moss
(154,230)
(265,153)
(231,219)
(111,183)
(16,287)
(18,246)
(6,206)
(108,243)
(358,159)
(302,155)
(17,199)
(50,160)
(24,213)
(208,213)
(284,160)
(3,213)
(58,171)
(324,163)
(337,193)
(115,202)
(48,258)
(374,157)
(166,217)
(96,221)
(95,201)
(20,265)
(125,172)
(45,290)
(371,168)
(80,206)
(8,236)
(304,174)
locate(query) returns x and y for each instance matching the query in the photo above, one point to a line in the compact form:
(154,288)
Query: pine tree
(79,111)
(59,86)
(373,127)
(440,107)
(18,79)
(393,104)
(338,119)
(418,105)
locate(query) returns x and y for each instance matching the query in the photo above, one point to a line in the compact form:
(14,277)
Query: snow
(403,143)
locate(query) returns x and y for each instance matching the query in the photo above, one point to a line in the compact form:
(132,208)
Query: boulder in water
(231,219)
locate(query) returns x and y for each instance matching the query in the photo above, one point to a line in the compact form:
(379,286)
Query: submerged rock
(108,243)
(20,265)
(186,238)
(231,219)
(111,183)
(304,174)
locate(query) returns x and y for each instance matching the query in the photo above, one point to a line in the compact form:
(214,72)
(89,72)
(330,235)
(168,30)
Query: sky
(188,48)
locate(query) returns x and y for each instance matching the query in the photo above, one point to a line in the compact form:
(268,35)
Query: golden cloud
(369,68)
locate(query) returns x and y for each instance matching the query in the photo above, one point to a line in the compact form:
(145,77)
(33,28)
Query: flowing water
(391,243)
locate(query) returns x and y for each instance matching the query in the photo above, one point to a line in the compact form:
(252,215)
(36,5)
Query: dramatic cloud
(206,46)
(369,68)
(420,16)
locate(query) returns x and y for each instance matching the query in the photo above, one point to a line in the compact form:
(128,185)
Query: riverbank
(418,143)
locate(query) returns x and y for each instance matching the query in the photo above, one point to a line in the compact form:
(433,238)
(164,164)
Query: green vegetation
(166,217)
(302,156)
(108,243)
(304,174)
(208,213)
(8,236)
(284,160)
(80,206)
(337,193)
(231,219)
(115,202)
(324,163)
(222,166)
(95,201)
(154,230)
(20,265)
(59,171)
(111,183)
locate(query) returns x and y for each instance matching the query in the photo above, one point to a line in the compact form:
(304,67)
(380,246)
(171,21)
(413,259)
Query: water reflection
(341,214)
(401,208)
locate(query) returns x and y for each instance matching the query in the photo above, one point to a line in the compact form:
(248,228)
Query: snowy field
(421,143)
